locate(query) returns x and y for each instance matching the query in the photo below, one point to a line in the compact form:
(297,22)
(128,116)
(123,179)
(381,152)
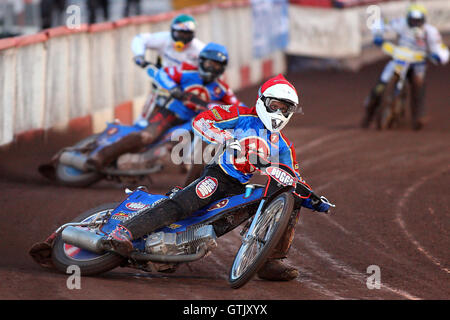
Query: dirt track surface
(391,191)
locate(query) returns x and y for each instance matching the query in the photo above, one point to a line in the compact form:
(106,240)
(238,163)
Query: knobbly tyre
(393,104)
(263,210)
(70,166)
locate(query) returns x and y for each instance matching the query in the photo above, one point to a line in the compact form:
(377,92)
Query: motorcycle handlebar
(266,163)
(188,96)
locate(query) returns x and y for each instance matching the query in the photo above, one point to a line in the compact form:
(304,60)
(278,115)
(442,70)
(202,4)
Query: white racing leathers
(425,39)
(163,43)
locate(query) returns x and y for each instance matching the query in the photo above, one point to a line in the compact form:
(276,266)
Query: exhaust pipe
(83,239)
(162,258)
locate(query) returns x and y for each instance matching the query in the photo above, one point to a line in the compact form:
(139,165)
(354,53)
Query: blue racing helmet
(213,60)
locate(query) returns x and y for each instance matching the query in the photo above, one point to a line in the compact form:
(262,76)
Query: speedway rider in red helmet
(241,129)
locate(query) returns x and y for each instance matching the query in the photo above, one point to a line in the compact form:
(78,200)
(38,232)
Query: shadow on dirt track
(388,188)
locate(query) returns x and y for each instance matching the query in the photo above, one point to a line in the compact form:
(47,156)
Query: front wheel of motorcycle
(255,250)
(65,255)
(386,117)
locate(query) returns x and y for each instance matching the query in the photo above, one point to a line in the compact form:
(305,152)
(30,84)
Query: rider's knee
(147,137)
(379,88)
(418,81)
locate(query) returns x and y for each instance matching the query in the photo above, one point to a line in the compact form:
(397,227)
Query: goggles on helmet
(284,106)
(183,36)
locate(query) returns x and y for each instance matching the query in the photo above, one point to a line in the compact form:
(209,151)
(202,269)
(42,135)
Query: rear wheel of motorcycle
(254,252)
(71,177)
(96,264)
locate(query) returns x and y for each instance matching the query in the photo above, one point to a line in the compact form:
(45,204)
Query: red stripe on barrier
(245,76)
(81,124)
(101,27)
(122,22)
(233,4)
(31,39)
(198,9)
(154,18)
(267,68)
(313,3)
(64,31)
(8,43)
(124,112)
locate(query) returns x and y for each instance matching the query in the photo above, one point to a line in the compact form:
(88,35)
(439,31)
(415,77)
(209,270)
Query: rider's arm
(229,97)
(170,78)
(288,157)
(382,27)
(211,125)
(165,80)
(438,50)
(144,41)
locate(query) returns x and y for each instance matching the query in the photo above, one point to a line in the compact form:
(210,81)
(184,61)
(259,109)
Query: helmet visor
(415,18)
(183,36)
(212,66)
(210,69)
(284,106)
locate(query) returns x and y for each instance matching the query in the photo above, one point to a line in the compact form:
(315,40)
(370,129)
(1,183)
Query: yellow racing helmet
(416,15)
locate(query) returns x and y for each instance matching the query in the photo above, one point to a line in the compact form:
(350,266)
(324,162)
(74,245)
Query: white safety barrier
(59,76)
(8,60)
(63,77)
(343,33)
(30,76)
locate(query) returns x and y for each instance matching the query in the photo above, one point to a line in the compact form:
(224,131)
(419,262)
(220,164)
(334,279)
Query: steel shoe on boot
(418,124)
(119,241)
(371,104)
(277,270)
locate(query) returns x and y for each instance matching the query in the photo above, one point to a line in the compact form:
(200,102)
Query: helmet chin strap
(179,46)
(276,123)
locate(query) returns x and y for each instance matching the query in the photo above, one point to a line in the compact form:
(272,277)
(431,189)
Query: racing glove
(140,61)
(378,40)
(233,144)
(435,58)
(177,93)
(321,205)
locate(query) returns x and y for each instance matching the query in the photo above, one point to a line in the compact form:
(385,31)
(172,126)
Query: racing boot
(41,252)
(418,124)
(371,104)
(130,143)
(275,269)
(119,241)
(418,103)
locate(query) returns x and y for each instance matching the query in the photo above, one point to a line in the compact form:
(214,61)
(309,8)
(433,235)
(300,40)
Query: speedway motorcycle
(263,210)
(69,166)
(392,109)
